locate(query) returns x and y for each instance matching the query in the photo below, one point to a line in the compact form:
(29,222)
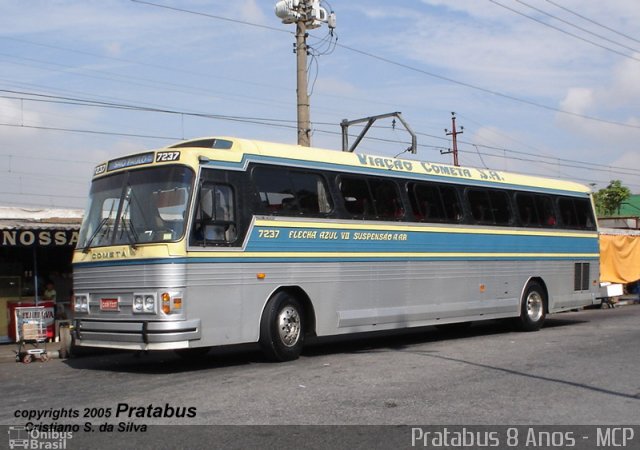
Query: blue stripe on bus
(410,242)
(398,246)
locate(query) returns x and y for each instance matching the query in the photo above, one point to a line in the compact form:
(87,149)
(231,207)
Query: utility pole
(453,133)
(304,115)
(306,14)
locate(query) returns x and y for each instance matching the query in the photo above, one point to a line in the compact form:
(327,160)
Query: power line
(56,99)
(564,31)
(177,69)
(578,27)
(555,161)
(283,123)
(191,72)
(593,167)
(211,16)
(424,72)
(511,138)
(76,130)
(593,21)
(487,91)
(138,81)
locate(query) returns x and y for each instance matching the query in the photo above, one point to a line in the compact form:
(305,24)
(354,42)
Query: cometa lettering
(96,256)
(446,170)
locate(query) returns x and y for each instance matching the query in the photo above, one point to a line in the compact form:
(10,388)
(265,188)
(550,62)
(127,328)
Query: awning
(619,257)
(21,227)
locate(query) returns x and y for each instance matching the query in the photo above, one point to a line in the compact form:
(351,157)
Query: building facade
(36,247)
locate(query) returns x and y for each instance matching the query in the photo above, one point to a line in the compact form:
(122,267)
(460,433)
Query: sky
(541,87)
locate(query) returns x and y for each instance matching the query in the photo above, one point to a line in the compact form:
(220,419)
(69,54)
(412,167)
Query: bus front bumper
(136,335)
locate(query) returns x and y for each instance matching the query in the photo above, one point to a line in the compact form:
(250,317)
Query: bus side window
(529,216)
(452,209)
(426,202)
(275,190)
(576,213)
(388,205)
(585,214)
(567,213)
(356,196)
(490,206)
(544,206)
(435,202)
(480,206)
(291,193)
(214,220)
(500,207)
(311,192)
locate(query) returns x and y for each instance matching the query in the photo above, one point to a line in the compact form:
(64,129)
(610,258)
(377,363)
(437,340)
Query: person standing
(50,295)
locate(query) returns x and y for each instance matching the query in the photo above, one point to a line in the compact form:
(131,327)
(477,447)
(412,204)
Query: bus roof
(234,151)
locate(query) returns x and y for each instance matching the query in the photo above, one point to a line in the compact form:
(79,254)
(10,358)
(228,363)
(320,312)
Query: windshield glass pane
(137,207)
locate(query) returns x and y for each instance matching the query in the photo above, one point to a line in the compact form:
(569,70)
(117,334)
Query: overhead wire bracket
(370,120)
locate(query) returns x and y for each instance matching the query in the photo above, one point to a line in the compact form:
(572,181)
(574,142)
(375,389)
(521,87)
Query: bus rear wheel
(282,328)
(532,308)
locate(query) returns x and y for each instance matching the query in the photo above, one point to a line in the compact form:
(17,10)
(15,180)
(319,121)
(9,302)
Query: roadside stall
(36,247)
(619,260)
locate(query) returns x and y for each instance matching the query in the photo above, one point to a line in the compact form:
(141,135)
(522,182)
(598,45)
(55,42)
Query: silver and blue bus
(221,241)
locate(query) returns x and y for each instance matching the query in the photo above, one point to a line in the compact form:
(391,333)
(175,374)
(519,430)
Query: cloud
(617,100)
(578,100)
(250,11)
(625,86)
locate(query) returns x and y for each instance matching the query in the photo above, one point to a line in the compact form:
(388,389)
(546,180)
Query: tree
(609,199)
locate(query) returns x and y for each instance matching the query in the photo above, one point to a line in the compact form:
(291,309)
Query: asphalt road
(582,368)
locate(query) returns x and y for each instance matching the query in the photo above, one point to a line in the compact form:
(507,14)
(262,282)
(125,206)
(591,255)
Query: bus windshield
(137,207)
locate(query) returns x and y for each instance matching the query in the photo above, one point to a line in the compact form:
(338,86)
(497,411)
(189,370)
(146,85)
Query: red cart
(30,332)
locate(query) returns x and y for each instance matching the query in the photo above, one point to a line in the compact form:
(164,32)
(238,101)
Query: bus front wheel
(282,328)
(532,308)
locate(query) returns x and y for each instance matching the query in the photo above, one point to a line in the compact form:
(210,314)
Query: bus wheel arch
(286,320)
(534,305)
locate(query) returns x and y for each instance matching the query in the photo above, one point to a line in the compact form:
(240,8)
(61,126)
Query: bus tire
(282,328)
(532,308)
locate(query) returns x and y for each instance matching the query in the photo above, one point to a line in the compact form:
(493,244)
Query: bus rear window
(576,213)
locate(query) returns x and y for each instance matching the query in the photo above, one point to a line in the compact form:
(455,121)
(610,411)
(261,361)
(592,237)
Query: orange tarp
(619,258)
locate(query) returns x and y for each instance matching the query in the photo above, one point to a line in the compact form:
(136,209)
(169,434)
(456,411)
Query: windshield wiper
(128,227)
(102,223)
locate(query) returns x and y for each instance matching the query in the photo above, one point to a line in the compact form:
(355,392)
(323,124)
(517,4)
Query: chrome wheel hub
(535,306)
(289,326)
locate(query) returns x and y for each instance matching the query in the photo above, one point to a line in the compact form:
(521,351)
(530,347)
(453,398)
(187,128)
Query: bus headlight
(149,303)
(81,303)
(171,302)
(144,303)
